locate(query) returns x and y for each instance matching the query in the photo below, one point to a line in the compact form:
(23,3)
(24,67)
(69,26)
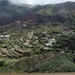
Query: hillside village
(37,44)
(37,38)
(32,44)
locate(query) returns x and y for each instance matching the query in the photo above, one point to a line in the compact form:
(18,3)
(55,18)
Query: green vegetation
(2,63)
(72,19)
(33,51)
(43,41)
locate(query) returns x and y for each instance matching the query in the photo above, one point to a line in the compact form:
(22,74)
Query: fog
(41,2)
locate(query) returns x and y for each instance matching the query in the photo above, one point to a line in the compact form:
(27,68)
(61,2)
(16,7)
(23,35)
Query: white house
(62,52)
(21,39)
(24,25)
(44,32)
(12,49)
(30,35)
(6,36)
(27,42)
(36,37)
(51,41)
(18,22)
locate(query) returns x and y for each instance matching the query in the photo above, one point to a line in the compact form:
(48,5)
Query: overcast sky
(39,1)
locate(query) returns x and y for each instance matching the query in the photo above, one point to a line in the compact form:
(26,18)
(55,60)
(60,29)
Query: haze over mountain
(41,2)
(10,13)
(35,14)
(37,38)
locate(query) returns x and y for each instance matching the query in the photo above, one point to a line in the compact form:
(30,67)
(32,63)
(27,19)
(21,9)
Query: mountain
(54,9)
(36,14)
(51,13)
(11,12)
(37,38)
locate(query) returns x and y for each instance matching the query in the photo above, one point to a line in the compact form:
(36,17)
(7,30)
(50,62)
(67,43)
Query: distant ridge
(35,14)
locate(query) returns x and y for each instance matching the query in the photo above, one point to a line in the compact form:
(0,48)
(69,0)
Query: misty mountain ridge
(37,38)
(12,12)
(35,14)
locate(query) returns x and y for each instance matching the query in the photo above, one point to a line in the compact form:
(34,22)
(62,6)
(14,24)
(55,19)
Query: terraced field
(13,53)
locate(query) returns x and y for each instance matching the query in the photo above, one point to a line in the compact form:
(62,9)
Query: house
(44,32)
(51,41)
(4,37)
(24,25)
(46,48)
(30,35)
(16,46)
(21,39)
(27,42)
(18,22)
(49,44)
(68,32)
(62,52)
(36,41)
(59,35)
(36,37)
(12,49)
(65,32)
(72,32)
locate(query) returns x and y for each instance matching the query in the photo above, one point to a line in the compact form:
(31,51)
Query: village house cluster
(68,32)
(4,37)
(30,35)
(51,41)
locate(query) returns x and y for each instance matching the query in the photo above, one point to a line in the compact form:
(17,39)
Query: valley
(37,39)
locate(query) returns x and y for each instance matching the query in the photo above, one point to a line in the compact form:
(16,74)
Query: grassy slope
(48,62)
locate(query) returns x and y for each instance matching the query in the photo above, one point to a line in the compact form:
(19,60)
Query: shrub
(2,62)
(1,42)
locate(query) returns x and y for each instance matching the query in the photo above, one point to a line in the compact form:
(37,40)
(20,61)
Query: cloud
(22,1)
(38,1)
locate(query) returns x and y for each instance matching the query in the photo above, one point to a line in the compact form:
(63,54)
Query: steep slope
(48,62)
(51,13)
(37,14)
(11,12)
(54,9)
